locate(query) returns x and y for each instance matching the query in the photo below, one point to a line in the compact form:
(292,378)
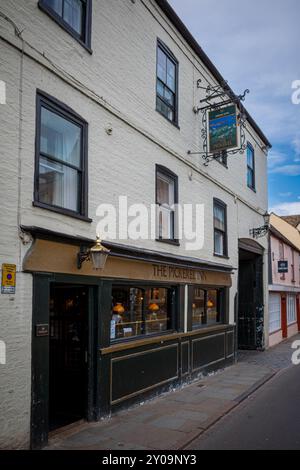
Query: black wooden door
(250,309)
(68,368)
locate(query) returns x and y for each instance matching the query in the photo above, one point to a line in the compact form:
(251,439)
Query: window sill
(62,211)
(168,242)
(64,26)
(168,336)
(173,123)
(140,338)
(292,324)
(252,189)
(271,333)
(206,327)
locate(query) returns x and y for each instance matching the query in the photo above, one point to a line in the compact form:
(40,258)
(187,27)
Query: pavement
(178,420)
(268,420)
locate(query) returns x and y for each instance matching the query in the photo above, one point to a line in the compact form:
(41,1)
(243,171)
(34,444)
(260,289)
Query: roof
(293,220)
(180,26)
(285,231)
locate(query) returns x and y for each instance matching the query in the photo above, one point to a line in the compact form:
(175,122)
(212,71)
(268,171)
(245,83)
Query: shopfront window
(138,311)
(206,307)
(291,309)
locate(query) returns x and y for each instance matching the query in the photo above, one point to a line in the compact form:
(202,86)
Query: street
(268,420)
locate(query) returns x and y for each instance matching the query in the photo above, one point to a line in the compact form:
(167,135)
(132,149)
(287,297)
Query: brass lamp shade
(153,307)
(119,309)
(99,254)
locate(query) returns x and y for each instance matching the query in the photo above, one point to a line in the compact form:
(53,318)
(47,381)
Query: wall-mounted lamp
(261,231)
(97,255)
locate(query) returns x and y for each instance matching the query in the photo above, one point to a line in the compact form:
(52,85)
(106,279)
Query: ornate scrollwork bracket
(211,102)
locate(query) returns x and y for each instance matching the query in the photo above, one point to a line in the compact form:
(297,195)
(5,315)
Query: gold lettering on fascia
(179,274)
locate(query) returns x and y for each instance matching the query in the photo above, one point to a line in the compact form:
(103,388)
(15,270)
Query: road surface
(269,419)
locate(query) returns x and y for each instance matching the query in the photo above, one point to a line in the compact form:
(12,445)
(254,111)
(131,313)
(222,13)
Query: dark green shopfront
(105,340)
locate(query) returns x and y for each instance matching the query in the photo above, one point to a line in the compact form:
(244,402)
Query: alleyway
(176,420)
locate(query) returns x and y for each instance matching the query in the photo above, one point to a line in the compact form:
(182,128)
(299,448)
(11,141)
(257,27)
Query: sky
(256,45)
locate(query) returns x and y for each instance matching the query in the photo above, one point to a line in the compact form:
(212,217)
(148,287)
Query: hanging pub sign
(283,267)
(8,284)
(223,129)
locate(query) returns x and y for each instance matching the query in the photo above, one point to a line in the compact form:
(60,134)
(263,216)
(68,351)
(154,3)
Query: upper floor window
(72,15)
(220,228)
(293,267)
(166,199)
(166,88)
(61,142)
(250,167)
(281,257)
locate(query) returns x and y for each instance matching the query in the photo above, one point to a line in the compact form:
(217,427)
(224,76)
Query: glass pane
(219,217)
(158,318)
(55,5)
(250,157)
(73,14)
(58,185)
(274,313)
(160,89)
(171,75)
(198,308)
(162,65)
(291,307)
(213,315)
(165,223)
(250,178)
(127,312)
(219,243)
(165,110)
(60,138)
(165,190)
(169,97)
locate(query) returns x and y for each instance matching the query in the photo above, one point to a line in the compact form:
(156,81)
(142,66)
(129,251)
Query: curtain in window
(219,243)
(60,149)
(73,13)
(219,217)
(165,200)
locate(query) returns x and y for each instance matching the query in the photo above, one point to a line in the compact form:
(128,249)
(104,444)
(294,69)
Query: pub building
(93,327)
(143,324)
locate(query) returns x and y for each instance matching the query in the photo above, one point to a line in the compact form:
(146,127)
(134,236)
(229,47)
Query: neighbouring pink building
(284,282)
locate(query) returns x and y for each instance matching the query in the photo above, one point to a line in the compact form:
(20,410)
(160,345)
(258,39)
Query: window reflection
(140,311)
(206,307)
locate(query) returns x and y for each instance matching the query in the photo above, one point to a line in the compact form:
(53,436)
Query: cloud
(286,208)
(285,194)
(276,159)
(258,54)
(296,145)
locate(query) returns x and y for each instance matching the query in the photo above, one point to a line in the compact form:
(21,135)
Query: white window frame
(291,309)
(274,314)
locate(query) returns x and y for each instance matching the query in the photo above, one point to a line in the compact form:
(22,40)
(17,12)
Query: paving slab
(174,420)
